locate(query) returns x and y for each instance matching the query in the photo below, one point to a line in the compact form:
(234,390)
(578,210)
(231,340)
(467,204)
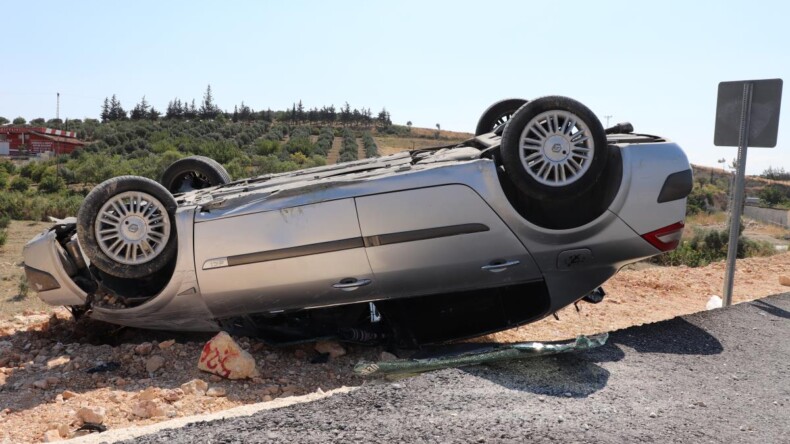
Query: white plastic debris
(713,302)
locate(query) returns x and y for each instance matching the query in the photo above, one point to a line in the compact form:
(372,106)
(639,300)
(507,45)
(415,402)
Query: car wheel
(194,173)
(126,227)
(553,148)
(497,114)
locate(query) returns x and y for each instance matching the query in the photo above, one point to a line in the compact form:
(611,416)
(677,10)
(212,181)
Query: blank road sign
(764,121)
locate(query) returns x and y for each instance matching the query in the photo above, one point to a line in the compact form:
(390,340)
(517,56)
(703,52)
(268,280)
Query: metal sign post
(747,112)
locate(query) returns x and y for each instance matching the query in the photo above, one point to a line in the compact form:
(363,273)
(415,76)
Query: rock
(91,414)
(223,357)
(154,363)
(68,394)
(41,384)
(148,394)
(195,387)
(334,349)
(164,345)
(784,280)
(267,398)
(713,303)
(60,360)
(387,356)
(300,354)
(653,415)
(63,430)
(144,348)
(51,436)
(216,392)
(214,378)
(52,380)
(173,395)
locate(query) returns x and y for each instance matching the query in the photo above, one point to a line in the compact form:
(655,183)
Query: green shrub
(51,184)
(20,183)
(4,222)
(3,237)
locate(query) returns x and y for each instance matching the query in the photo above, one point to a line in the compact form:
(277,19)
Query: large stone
(222,356)
(92,414)
(56,362)
(51,436)
(195,387)
(334,349)
(216,392)
(144,348)
(154,363)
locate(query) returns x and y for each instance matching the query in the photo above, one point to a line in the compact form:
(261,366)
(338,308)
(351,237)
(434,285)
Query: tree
(771,195)
(776,174)
(409,125)
(38,121)
(140,110)
(383,119)
(300,116)
(208,110)
(116,111)
(3,120)
(105,110)
(153,114)
(19,121)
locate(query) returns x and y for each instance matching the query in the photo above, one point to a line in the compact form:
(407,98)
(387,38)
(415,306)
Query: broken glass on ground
(478,354)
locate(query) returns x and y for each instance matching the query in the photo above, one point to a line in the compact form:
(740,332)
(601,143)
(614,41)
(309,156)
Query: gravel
(718,376)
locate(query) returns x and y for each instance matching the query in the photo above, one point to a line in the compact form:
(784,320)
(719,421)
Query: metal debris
(485,353)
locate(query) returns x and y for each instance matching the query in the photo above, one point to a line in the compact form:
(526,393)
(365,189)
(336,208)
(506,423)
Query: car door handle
(496,267)
(351,284)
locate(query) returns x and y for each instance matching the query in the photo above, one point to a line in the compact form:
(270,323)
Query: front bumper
(47,274)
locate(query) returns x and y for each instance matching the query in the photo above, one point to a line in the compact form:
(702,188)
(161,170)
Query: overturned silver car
(534,213)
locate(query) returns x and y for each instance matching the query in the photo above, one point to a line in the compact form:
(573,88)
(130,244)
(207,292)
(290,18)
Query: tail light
(667,238)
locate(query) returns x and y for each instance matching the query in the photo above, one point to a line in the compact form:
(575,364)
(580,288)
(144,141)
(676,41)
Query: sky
(656,65)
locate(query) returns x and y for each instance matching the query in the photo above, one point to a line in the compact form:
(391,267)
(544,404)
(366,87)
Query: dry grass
(12,301)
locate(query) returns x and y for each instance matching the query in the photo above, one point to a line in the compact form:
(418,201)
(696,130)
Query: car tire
(126,227)
(194,173)
(497,114)
(554,148)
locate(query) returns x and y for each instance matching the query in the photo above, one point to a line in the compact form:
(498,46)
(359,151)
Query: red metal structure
(21,140)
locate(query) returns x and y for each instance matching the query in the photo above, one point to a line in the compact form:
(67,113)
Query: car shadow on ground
(771,309)
(579,374)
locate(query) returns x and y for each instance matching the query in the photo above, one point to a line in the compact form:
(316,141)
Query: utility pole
(57,160)
(607,120)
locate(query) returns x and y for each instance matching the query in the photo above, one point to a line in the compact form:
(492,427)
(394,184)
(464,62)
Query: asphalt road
(721,376)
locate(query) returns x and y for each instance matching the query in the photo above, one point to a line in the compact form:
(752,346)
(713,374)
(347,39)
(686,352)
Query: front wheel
(554,148)
(126,226)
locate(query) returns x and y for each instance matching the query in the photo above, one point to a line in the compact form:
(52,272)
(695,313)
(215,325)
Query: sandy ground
(44,354)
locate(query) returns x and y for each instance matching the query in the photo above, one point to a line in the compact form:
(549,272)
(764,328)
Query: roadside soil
(44,354)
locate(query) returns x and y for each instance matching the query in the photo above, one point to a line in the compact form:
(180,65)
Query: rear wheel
(126,227)
(497,114)
(554,148)
(194,173)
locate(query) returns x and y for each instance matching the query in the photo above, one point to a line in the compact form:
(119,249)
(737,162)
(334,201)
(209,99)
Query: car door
(300,257)
(439,240)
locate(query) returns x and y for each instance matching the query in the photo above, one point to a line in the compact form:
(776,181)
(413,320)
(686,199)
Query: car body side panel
(292,258)
(441,263)
(180,305)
